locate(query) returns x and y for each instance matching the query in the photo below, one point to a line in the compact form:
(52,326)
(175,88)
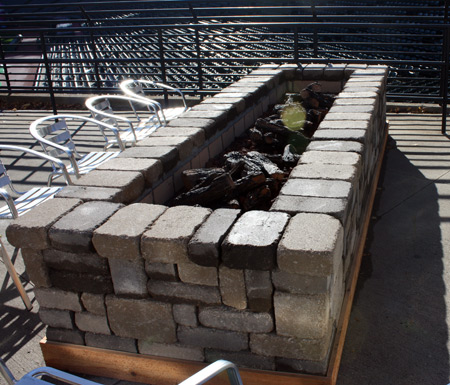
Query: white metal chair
(55,138)
(129,132)
(31,198)
(137,88)
(35,376)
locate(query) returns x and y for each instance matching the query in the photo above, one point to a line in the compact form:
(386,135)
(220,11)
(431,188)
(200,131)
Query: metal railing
(201,47)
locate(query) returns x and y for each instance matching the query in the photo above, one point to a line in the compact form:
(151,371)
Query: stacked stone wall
(115,268)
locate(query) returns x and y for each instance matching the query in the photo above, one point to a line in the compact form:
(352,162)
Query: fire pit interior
(115,268)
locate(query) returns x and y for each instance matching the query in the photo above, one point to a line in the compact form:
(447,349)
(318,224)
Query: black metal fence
(201,47)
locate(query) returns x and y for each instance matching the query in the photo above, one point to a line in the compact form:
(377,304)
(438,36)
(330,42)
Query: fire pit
(115,268)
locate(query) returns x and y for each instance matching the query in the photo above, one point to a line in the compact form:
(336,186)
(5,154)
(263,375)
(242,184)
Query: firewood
(192,178)
(256,198)
(248,182)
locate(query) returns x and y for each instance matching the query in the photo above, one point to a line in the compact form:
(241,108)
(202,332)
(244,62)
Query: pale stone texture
(167,239)
(179,292)
(185,315)
(324,171)
(293,204)
(88,193)
(161,271)
(183,144)
(198,275)
(90,263)
(300,284)
(212,338)
(56,318)
(57,299)
(129,277)
(94,303)
(232,287)
(120,236)
(259,290)
(36,268)
(312,245)
(330,157)
(141,319)
(317,188)
(167,155)
(171,351)
(93,323)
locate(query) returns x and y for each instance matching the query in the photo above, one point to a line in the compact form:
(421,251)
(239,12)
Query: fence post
(48,73)
(316,36)
(163,63)
(197,49)
(4,68)
(93,48)
(296,45)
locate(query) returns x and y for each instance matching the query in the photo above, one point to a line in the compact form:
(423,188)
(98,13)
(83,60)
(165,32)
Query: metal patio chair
(34,377)
(137,88)
(55,138)
(129,132)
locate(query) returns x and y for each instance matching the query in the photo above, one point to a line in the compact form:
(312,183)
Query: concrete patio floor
(399,326)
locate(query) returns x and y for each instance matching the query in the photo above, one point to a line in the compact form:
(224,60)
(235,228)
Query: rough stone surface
(209,126)
(232,287)
(197,135)
(204,247)
(64,335)
(120,236)
(342,134)
(324,171)
(131,183)
(91,263)
(129,277)
(161,271)
(198,275)
(300,284)
(311,322)
(185,315)
(240,321)
(331,157)
(92,323)
(167,155)
(211,338)
(36,268)
(74,231)
(335,145)
(31,229)
(171,351)
(312,245)
(317,188)
(104,341)
(292,204)
(57,299)
(183,144)
(56,318)
(94,303)
(179,292)
(252,241)
(81,282)
(259,290)
(166,241)
(141,319)
(88,193)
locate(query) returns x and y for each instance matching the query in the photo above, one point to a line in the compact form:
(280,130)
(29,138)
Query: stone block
(94,303)
(344,172)
(36,268)
(131,183)
(161,271)
(232,287)
(311,245)
(167,155)
(354,125)
(331,157)
(241,359)
(317,188)
(212,338)
(57,299)
(129,277)
(219,116)
(120,236)
(178,292)
(342,134)
(185,315)
(88,193)
(93,323)
(355,101)
(74,231)
(176,351)
(238,104)
(302,316)
(313,71)
(209,126)
(141,319)
(183,144)
(252,241)
(104,341)
(241,321)
(65,335)
(335,145)
(90,263)
(81,282)
(197,135)
(151,169)
(198,275)
(300,284)
(204,247)
(31,230)
(259,290)
(62,319)
(272,345)
(167,240)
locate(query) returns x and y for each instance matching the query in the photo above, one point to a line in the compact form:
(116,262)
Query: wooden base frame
(165,371)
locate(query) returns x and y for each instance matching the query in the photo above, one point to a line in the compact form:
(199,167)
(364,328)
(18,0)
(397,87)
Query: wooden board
(165,371)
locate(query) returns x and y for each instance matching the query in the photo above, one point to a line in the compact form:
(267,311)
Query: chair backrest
(104,106)
(5,180)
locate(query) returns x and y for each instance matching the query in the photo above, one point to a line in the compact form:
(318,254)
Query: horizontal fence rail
(201,47)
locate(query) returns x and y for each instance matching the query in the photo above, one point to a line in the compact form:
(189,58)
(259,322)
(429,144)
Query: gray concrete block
(178,292)
(167,240)
(312,245)
(285,281)
(313,71)
(240,321)
(62,319)
(93,323)
(74,231)
(317,188)
(57,299)
(30,230)
(183,144)
(331,157)
(212,338)
(259,290)
(232,287)
(324,171)
(81,282)
(241,359)
(88,193)
(204,247)
(161,271)
(128,277)
(104,341)
(185,315)
(355,101)
(219,116)
(167,155)
(341,134)
(65,335)
(197,135)
(36,268)
(131,183)
(335,145)
(237,103)
(176,351)
(90,263)
(141,319)
(209,126)
(120,236)
(252,241)
(198,275)
(94,303)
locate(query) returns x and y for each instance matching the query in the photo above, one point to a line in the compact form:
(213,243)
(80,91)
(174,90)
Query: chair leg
(15,277)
